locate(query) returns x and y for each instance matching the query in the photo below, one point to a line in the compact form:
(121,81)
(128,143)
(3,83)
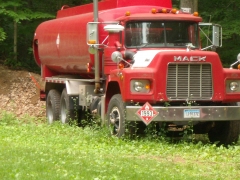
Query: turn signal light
(239,67)
(121,66)
(147,86)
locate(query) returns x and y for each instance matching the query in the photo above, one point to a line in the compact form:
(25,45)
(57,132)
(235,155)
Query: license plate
(191,113)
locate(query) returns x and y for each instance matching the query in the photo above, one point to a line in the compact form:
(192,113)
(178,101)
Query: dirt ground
(19,94)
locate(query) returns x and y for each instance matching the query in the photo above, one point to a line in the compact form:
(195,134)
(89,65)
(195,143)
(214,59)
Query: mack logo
(191,58)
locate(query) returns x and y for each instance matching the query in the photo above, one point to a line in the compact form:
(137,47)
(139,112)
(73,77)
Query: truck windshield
(145,34)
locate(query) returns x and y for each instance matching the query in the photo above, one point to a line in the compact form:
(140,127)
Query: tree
(225,13)
(193,4)
(17,11)
(25,15)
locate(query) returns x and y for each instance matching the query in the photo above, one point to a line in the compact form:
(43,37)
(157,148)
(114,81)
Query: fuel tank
(60,45)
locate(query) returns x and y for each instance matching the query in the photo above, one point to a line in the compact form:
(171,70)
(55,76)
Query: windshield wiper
(142,45)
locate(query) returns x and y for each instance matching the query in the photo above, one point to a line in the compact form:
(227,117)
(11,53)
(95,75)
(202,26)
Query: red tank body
(60,45)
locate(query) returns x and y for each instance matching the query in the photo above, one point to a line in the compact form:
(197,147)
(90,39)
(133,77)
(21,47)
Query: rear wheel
(116,115)
(52,106)
(95,106)
(66,114)
(226,132)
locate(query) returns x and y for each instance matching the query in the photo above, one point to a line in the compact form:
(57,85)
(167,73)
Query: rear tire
(67,114)
(116,115)
(225,133)
(52,106)
(95,106)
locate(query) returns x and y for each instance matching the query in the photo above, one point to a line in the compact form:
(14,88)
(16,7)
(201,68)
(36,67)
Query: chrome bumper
(204,113)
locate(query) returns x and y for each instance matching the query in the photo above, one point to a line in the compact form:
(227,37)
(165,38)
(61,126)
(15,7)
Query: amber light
(154,11)
(174,11)
(127,13)
(195,13)
(239,67)
(89,67)
(164,10)
(91,41)
(121,66)
(121,77)
(147,86)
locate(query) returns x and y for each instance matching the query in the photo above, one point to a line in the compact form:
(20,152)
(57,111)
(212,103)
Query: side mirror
(212,33)
(216,35)
(92,33)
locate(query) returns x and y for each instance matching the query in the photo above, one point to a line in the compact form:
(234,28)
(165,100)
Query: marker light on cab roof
(154,11)
(174,11)
(127,13)
(164,10)
(195,13)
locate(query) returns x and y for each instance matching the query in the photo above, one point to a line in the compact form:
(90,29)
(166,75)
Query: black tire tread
(54,97)
(226,132)
(116,100)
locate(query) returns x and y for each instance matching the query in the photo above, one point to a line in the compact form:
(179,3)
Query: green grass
(34,150)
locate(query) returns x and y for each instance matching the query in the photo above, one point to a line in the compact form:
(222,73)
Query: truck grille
(189,81)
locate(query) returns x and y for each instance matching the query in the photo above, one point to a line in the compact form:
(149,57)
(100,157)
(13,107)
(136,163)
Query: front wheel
(116,115)
(226,132)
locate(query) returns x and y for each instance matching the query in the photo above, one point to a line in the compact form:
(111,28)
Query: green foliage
(19,11)
(225,13)
(2,35)
(28,14)
(222,12)
(57,151)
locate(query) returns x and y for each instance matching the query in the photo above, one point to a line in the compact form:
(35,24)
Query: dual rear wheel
(58,107)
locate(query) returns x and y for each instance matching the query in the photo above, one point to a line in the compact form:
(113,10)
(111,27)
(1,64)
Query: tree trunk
(15,37)
(193,4)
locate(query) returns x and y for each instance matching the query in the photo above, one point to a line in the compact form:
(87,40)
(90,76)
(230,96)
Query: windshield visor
(161,34)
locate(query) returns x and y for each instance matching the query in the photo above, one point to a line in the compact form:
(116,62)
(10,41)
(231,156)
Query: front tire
(226,132)
(52,106)
(116,115)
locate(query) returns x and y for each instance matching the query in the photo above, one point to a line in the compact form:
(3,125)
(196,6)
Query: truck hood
(144,58)
(150,58)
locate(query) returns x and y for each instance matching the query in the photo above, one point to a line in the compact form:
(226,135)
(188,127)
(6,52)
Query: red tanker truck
(137,61)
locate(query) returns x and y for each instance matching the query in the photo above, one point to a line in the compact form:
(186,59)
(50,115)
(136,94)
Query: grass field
(35,150)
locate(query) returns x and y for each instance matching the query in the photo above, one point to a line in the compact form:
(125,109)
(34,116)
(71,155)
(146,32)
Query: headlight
(138,86)
(141,86)
(233,86)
